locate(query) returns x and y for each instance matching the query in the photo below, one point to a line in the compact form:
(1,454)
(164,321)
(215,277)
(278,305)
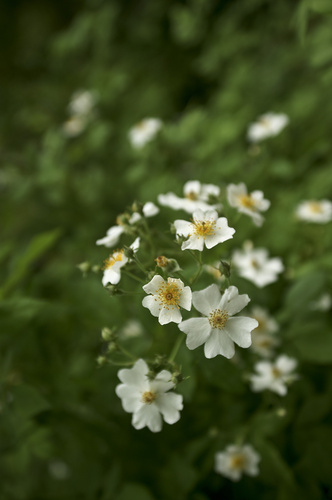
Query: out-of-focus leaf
(27,401)
(135,491)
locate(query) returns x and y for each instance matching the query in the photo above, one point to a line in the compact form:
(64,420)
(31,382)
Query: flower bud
(96,269)
(225,268)
(113,290)
(84,267)
(107,334)
(111,347)
(101,360)
(129,252)
(137,206)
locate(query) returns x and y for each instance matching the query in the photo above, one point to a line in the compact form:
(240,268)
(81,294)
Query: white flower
(132,328)
(267,125)
(274,376)
(166,299)
(82,103)
(254,265)
(319,212)
(218,329)
(323,304)
(206,228)
(114,263)
(148,400)
(249,204)
(196,196)
(113,233)
(236,460)
(144,132)
(74,126)
(263,340)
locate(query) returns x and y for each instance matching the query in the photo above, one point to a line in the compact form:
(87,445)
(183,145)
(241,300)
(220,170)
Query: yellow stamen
(316,207)
(116,256)
(218,318)
(148,397)
(247,201)
(276,372)
(237,462)
(204,228)
(169,294)
(161,261)
(192,196)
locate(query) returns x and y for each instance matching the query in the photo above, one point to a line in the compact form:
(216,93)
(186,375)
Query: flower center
(247,201)
(276,372)
(218,318)
(148,397)
(237,462)
(204,227)
(254,263)
(169,294)
(161,261)
(315,207)
(192,196)
(113,258)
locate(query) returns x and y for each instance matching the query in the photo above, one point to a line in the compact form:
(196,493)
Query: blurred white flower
(74,126)
(113,233)
(59,470)
(82,103)
(144,131)
(263,339)
(319,212)
(250,204)
(166,298)
(114,263)
(214,271)
(132,328)
(148,399)
(274,376)
(236,460)
(323,304)
(255,265)
(267,125)
(206,228)
(196,196)
(218,329)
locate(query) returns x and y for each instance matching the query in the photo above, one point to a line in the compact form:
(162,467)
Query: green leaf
(305,290)
(36,248)
(135,491)
(28,402)
(316,347)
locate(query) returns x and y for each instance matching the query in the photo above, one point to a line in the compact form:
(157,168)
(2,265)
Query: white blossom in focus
(267,125)
(274,376)
(218,329)
(250,204)
(114,263)
(206,229)
(150,401)
(166,298)
(319,212)
(254,265)
(236,460)
(195,196)
(144,131)
(263,339)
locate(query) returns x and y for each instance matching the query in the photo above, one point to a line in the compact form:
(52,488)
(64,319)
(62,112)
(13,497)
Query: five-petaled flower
(236,460)
(205,229)
(114,263)
(250,204)
(254,265)
(218,329)
(144,131)
(196,196)
(318,212)
(148,399)
(267,125)
(274,376)
(166,298)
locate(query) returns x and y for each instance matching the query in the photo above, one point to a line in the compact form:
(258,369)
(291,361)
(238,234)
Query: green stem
(126,353)
(176,347)
(128,273)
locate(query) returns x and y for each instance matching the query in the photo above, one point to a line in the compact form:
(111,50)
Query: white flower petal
(286,364)
(154,285)
(193,243)
(186,298)
(169,315)
(183,227)
(197,330)
(239,329)
(232,302)
(219,343)
(135,376)
(147,416)
(206,300)
(169,405)
(151,303)
(130,396)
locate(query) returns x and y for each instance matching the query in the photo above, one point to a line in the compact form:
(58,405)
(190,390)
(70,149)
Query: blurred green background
(207,68)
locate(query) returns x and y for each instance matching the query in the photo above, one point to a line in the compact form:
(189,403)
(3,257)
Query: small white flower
(166,298)
(255,265)
(267,125)
(114,263)
(132,328)
(319,212)
(113,233)
(263,339)
(218,329)
(82,103)
(274,376)
(250,204)
(236,460)
(206,228)
(148,400)
(196,196)
(144,131)
(323,304)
